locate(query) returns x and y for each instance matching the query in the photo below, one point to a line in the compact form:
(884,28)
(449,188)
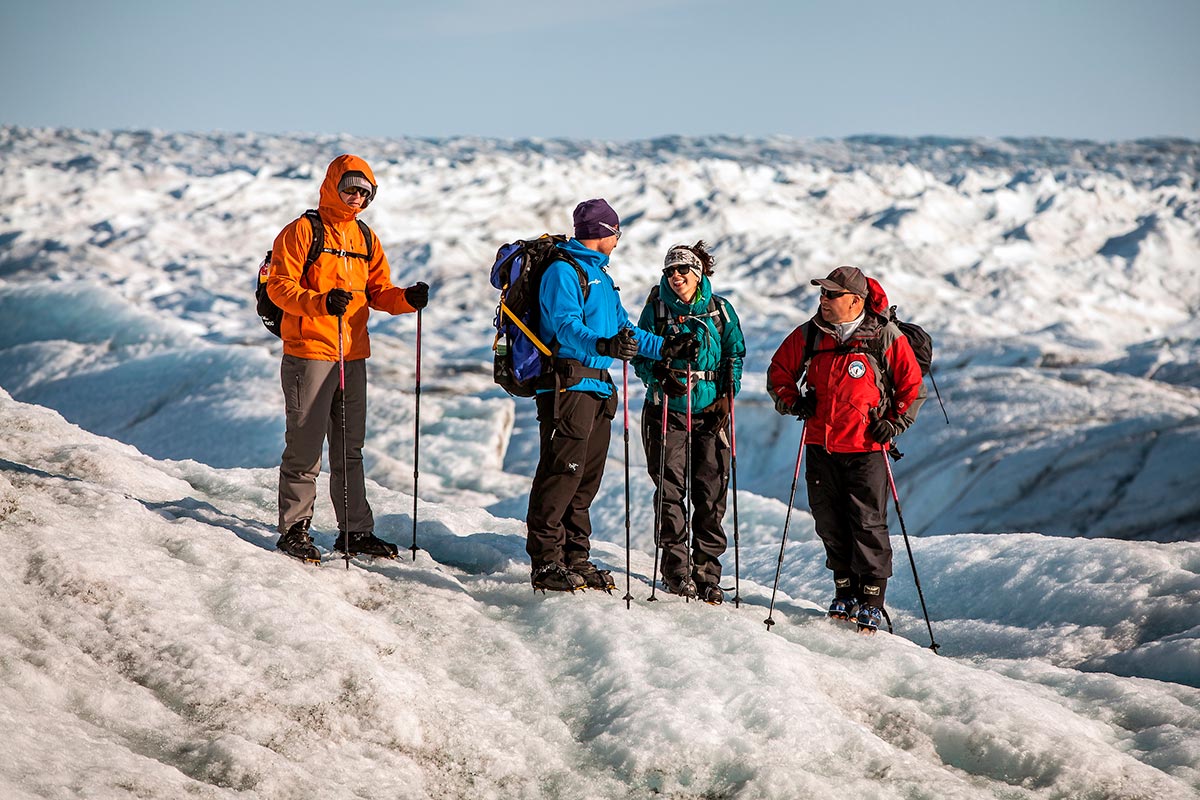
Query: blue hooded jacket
(573,326)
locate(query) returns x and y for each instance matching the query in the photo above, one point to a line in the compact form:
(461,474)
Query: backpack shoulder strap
(318,239)
(368,237)
(318,243)
(717,310)
(878,352)
(583,281)
(660,310)
(810,344)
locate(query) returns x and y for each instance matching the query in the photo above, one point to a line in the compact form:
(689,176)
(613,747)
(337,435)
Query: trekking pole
(896,497)
(939,395)
(687,486)
(769,621)
(658,511)
(345,474)
(416,441)
(625,395)
(737,568)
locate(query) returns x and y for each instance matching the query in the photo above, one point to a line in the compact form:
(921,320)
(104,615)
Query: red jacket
(308,330)
(847,382)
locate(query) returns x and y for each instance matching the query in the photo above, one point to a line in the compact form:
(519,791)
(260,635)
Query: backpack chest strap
(345,253)
(698,374)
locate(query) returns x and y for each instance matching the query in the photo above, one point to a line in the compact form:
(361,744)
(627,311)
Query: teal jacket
(575,325)
(720,355)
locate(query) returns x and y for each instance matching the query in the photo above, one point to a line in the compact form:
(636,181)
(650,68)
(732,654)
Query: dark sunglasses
(832,295)
(614,231)
(358,190)
(678,269)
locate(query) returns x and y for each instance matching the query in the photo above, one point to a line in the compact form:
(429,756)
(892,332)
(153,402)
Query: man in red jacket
(862,387)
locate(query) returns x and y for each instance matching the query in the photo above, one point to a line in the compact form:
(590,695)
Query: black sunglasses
(832,295)
(357,190)
(678,269)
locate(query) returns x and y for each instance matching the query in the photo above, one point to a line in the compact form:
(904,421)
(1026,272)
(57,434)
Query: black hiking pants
(710,481)
(574,446)
(847,493)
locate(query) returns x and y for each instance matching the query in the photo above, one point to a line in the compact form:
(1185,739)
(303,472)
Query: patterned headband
(682,255)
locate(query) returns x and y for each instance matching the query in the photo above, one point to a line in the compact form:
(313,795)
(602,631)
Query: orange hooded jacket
(308,330)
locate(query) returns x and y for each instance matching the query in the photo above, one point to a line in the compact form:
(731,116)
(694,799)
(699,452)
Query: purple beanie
(588,216)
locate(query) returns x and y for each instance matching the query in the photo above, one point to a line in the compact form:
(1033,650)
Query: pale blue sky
(621,69)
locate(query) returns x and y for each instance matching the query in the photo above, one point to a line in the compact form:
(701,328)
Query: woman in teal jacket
(683,301)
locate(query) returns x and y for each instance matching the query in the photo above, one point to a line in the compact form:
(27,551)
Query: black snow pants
(710,481)
(847,493)
(574,446)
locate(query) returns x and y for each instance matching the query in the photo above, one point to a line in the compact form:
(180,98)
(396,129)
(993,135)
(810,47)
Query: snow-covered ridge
(152,644)
(1156,161)
(1061,281)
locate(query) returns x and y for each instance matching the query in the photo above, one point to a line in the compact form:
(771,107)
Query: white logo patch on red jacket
(856,369)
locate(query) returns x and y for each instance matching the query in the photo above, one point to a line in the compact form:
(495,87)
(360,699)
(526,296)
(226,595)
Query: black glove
(622,345)
(337,300)
(681,346)
(417,295)
(806,406)
(802,407)
(669,380)
(724,380)
(882,430)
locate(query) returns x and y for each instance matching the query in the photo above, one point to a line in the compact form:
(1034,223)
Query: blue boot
(843,608)
(869,619)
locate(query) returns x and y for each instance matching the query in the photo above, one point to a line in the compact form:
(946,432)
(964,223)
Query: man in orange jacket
(848,355)
(325,309)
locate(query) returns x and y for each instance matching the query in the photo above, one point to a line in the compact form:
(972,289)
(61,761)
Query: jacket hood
(331,201)
(877,300)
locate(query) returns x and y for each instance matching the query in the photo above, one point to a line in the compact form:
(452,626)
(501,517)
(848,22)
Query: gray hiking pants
(314,414)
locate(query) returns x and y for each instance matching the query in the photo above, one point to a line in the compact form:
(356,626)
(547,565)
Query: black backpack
(918,339)
(521,358)
(271,314)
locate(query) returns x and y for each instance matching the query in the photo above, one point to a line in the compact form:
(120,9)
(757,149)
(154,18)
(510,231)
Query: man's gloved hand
(622,345)
(882,430)
(669,380)
(682,346)
(337,300)
(802,407)
(417,295)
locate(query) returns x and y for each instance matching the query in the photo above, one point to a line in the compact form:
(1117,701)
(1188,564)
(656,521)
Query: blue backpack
(521,358)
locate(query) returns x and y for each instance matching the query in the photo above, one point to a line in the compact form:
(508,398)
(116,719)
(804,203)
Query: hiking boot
(869,619)
(593,577)
(843,608)
(556,578)
(298,544)
(365,543)
(681,585)
(710,593)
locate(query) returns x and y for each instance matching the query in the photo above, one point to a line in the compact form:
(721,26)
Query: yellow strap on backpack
(525,330)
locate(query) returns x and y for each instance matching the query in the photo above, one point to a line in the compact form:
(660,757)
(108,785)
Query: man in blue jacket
(586,330)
